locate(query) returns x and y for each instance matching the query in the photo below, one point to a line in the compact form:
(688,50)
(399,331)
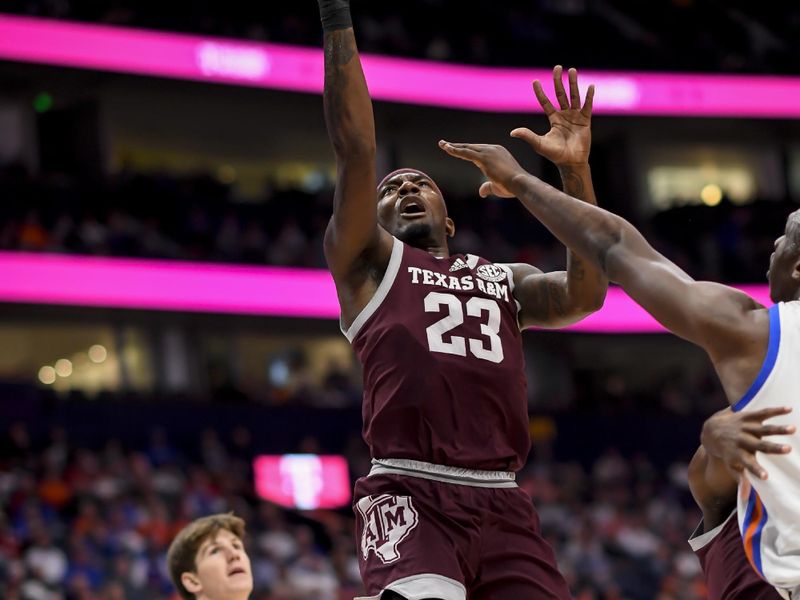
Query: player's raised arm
(718,318)
(560,298)
(354,242)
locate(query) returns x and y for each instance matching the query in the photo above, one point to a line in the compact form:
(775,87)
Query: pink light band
(291,68)
(268,291)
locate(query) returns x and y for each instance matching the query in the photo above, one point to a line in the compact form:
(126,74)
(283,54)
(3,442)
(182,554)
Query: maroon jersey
(443,366)
(728,574)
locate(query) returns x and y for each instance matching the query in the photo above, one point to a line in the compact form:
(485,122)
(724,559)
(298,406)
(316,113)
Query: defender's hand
(735,437)
(570,137)
(497,164)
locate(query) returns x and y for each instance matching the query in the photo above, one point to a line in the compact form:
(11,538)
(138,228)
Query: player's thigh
(516,561)
(412,540)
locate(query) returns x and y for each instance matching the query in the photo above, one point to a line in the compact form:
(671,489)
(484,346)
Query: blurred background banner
(303,481)
(176,286)
(287,68)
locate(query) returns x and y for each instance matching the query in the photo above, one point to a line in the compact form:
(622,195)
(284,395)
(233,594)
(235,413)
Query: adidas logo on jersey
(458,265)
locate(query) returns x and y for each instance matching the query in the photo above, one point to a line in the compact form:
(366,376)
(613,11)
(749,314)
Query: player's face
(223,569)
(783,275)
(411,207)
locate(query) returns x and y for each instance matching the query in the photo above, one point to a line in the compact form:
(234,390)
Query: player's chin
(240,582)
(414,232)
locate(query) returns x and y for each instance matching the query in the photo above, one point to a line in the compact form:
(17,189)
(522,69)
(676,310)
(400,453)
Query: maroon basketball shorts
(430,531)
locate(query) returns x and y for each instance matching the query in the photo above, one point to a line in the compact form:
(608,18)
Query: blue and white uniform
(769,511)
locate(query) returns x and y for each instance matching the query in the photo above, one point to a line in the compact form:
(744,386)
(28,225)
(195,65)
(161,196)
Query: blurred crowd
(196,218)
(80,523)
(691,35)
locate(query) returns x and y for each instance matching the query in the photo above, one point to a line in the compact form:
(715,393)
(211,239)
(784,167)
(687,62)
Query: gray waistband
(443,473)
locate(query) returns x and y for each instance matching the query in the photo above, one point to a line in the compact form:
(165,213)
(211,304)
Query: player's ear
(449,227)
(796,269)
(191,582)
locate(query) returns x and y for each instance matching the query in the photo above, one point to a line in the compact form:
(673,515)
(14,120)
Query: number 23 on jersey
(476,307)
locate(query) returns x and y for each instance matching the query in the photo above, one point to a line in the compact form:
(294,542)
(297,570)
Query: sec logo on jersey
(491,273)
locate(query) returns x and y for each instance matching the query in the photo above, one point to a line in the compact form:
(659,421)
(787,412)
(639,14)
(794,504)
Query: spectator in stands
(207,560)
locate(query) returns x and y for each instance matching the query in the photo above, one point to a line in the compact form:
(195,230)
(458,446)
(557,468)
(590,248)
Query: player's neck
(439,251)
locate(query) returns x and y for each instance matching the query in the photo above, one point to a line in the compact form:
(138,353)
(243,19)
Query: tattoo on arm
(576,268)
(548,300)
(556,299)
(340,48)
(573,183)
(578,184)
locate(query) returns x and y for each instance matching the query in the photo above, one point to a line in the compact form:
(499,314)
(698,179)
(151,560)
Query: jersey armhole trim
(510,275)
(769,360)
(698,542)
(380,294)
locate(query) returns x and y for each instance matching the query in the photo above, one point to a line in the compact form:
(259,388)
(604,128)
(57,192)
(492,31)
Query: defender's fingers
(544,101)
(574,90)
(558,84)
(766,430)
(767,413)
(753,444)
(465,151)
(751,464)
(770,448)
(586,111)
(490,189)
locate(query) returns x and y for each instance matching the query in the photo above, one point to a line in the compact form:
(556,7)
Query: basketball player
(207,560)
(754,350)
(730,438)
(438,335)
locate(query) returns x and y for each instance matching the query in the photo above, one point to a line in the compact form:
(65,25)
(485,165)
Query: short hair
(183,549)
(793,230)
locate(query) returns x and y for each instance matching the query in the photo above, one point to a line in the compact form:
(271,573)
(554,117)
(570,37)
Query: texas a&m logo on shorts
(388,520)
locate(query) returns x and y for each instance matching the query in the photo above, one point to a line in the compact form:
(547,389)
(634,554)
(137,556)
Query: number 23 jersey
(441,351)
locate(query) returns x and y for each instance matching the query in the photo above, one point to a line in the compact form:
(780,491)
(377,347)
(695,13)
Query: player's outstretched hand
(570,137)
(735,437)
(496,163)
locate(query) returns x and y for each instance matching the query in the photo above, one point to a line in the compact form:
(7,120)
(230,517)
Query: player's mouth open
(411,209)
(236,571)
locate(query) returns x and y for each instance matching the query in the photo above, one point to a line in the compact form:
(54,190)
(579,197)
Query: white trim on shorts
(698,542)
(380,294)
(443,473)
(422,586)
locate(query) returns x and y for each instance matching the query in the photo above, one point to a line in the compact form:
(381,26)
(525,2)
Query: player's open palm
(570,137)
